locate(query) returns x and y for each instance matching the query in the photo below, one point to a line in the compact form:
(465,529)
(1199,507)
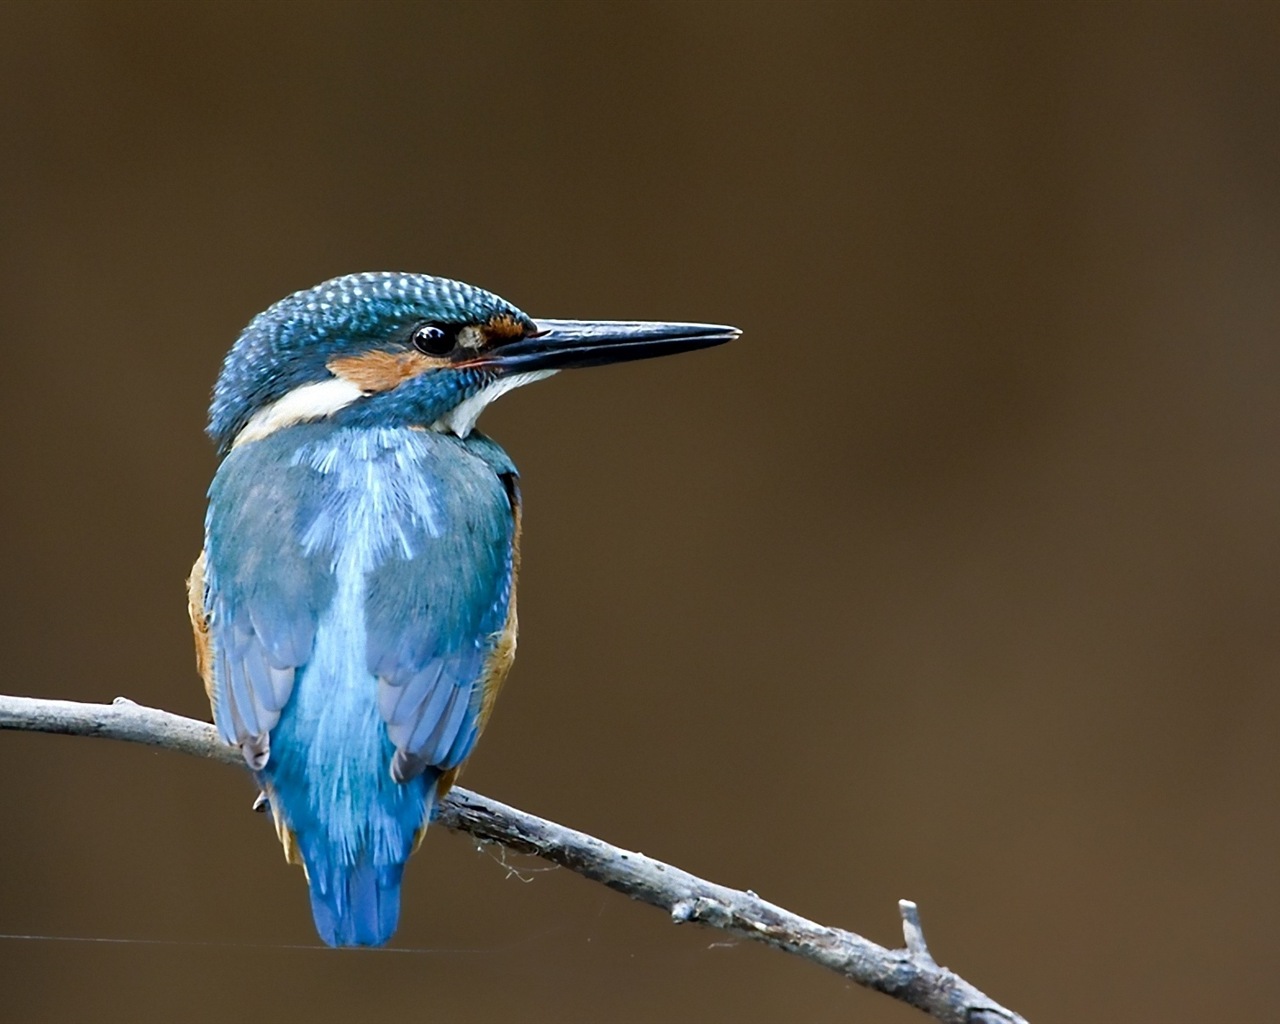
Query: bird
(354,602)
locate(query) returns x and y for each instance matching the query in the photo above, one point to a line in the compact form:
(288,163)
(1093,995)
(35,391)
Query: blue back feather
(365,574)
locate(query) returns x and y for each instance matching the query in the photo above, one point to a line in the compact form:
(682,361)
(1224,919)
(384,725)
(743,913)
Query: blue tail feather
(330,783)
(355,905)
(355,888)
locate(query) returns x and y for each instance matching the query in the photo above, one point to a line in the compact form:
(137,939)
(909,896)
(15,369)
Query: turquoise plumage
(354,605)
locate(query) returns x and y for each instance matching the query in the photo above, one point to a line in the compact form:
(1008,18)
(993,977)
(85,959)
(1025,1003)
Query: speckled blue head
(386,349)
(292,343)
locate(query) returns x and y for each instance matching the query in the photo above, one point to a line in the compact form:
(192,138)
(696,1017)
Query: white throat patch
(461,419)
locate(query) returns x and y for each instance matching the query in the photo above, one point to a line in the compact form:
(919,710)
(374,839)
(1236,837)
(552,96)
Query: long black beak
(562,344)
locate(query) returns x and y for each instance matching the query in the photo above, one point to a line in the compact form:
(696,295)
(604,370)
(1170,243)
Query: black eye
(434,339)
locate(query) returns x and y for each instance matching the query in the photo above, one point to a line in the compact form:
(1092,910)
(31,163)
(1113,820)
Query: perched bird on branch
(354,606)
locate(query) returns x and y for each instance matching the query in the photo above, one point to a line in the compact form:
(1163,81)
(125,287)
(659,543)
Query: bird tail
(353,844)
(354,904)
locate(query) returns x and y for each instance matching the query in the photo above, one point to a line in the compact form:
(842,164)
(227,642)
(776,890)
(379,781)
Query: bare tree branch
(909,974)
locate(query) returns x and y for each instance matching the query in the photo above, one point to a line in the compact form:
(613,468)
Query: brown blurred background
(954,579)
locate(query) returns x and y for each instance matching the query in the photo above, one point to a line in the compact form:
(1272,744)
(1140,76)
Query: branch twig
(909,974)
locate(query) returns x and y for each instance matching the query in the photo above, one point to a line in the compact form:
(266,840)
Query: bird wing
(263,593)
(432,523)
(441,620)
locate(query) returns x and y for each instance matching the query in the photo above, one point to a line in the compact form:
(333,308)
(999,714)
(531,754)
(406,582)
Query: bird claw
(261,803)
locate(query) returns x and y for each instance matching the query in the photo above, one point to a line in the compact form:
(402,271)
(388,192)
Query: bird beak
(563,344)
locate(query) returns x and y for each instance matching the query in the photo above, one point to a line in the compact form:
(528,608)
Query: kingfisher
(354,604)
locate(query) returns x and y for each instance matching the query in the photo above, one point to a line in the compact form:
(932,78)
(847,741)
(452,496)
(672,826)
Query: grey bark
(910,974)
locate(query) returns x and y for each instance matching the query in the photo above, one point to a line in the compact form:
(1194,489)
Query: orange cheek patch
(503,327)
(380,370)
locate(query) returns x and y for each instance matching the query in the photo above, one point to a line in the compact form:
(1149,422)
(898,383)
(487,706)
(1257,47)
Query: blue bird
(354,605)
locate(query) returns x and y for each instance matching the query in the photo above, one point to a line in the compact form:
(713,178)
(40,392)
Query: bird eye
(434,339)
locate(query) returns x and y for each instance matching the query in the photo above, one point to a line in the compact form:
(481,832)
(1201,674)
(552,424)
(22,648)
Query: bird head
(390,349)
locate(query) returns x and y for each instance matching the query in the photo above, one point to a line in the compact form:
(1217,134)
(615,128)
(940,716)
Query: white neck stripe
(309,402)
(326,397)
(461,419)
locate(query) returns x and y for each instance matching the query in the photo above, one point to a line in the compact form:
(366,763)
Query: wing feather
(419,704)
(438,613)
(262,595)
(437,518)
